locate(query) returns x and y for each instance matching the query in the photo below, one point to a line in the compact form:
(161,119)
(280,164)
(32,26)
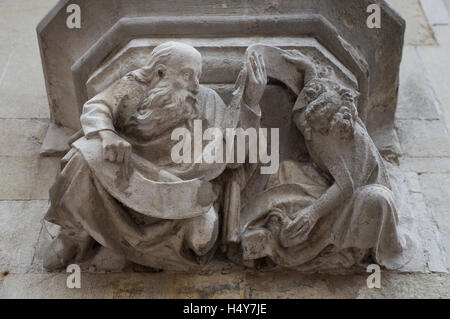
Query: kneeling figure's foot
(60,253)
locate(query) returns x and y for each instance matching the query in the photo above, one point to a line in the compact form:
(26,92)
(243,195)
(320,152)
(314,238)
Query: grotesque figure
(119,186)
(336,210)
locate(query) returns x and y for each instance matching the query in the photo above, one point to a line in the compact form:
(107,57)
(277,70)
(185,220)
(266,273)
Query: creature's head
(331,108)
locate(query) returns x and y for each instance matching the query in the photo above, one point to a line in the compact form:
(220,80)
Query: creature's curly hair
(322,98)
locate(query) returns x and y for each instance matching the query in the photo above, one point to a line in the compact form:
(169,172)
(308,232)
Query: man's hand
(256,80)
(115,148)
(298,230)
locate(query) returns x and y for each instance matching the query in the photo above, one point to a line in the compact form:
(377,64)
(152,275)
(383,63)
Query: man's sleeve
(101,112)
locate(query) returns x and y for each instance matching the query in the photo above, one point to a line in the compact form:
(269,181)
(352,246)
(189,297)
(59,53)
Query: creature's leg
(373,222)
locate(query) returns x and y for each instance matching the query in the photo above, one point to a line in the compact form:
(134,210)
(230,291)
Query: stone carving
(335,210)
(119,186)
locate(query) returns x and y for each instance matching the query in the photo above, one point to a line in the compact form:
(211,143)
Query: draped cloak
(364,222)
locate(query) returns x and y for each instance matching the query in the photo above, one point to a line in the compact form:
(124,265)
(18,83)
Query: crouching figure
(335,211)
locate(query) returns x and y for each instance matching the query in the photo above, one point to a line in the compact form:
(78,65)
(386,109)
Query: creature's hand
(298,230)
(298,59)
(115,148)
(256,80)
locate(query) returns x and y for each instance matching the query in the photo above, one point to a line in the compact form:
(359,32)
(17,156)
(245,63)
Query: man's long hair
(160,55)
(164,106)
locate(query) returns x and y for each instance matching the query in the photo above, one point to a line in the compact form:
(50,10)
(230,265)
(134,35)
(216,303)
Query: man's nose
(195,86)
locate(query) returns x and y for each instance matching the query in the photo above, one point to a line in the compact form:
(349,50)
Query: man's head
(173,70)
(172,75)
(178,63)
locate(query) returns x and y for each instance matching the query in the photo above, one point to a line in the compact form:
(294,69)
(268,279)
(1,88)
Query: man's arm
(100,114)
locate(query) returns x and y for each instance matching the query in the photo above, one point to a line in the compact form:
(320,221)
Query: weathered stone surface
(423,138)
(435,11)
(291,285)
(409,286)
(429,232)
(56,141)
(418,31)
(409,222)
(434,58)
(22,93)
(437,192)
(425,164)
(416,98)
(46,170)
(21,224)
(413,182)
(16,177)
(30,134)
(26,178)
(447,4)
(94,286)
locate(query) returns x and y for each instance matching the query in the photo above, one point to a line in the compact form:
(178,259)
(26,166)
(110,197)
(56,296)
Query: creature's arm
(302,63)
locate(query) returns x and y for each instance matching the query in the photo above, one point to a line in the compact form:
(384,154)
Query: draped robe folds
(165,215)
(364,222)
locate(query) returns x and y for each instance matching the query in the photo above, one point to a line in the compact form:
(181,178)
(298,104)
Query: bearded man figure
(119,185)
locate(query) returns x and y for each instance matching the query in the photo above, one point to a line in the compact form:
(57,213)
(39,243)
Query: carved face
(342,124)
(174,90)
(177,79)
(321,111)
(332,113)
(184,68)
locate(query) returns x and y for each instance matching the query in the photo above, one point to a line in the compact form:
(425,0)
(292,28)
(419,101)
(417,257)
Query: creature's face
(331,114)
(343,122)
(320,112)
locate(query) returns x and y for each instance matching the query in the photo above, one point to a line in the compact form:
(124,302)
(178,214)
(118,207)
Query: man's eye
(187,76)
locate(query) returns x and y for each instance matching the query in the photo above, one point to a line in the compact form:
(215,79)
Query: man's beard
(165,108)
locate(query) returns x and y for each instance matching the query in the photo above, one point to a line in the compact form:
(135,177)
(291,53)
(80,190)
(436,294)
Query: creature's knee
(376,200)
